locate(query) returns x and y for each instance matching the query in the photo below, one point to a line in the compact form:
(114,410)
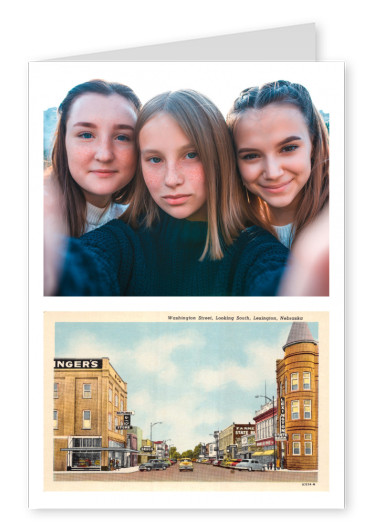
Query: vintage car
(250,465)
(186,464)
(153,464)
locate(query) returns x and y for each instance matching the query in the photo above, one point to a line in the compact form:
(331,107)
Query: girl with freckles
(94,155)
(282,151)
(187,229)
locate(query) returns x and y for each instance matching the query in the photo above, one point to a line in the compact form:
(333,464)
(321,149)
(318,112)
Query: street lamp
(151,429)
(272,401)
(216,438)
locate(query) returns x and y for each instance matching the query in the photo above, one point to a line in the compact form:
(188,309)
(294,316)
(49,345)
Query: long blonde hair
(204,125)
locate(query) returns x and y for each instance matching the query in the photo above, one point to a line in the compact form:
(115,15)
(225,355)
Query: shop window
(55,420)
(294,409)
(307,409)
(294,381)
(109,421)
(86,391)
(307,447)
(56,390)
(296,448)
(110,394)
(86,419)
(306,380)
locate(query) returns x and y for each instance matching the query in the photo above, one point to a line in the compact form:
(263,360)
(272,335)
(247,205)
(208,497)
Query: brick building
(297,384)
(89,396)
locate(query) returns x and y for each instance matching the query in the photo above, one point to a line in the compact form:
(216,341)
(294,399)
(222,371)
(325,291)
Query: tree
(197,451)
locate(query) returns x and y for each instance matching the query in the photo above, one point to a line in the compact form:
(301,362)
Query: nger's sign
(78,364)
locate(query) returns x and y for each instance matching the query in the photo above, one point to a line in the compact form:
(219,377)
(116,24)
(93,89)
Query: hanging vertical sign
(282,415)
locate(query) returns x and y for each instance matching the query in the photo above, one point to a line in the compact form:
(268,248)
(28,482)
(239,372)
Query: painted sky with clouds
(193,377)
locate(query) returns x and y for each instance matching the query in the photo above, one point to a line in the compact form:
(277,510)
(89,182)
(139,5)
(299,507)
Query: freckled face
(100,145)
(172,169)
(273,149)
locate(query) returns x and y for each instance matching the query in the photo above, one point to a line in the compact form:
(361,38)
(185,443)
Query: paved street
(201,472)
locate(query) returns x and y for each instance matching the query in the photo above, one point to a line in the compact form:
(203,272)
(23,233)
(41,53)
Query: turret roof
(299,333)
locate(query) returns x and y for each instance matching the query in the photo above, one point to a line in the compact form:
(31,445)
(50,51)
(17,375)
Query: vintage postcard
(209,402)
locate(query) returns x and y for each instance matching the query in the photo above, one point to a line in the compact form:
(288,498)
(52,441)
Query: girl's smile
(273,149)
(172,169)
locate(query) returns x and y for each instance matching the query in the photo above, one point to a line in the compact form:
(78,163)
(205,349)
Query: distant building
(88,433)
(230,436)
(266,423)
(297,383)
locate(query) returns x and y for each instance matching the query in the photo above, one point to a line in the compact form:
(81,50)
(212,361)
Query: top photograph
(186,179)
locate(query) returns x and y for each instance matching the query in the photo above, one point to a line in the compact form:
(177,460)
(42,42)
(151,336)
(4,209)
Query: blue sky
(193,377)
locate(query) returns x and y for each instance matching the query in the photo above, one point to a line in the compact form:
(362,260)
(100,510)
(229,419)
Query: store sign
(146,449)
(281,437)
(282,415)
(77,364)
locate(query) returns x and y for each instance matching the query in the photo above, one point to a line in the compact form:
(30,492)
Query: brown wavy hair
(74,202)
(204,125)
(315,193)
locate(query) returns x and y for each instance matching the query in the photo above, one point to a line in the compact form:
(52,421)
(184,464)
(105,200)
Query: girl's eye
(191,155)
(123,138)
(292,147)
(85,135)
(250,156)
(155,160)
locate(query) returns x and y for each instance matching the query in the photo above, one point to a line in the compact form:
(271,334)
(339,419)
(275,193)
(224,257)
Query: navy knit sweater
(164,260)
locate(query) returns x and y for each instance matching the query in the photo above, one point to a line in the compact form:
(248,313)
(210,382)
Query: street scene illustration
(192,402)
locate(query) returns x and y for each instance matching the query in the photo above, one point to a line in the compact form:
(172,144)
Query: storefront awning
(98,449)
(257,453)
(268,452)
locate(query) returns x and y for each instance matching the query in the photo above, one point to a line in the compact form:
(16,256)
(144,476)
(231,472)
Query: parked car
(186,464)
(153,464)
(234,462)
(217,462)
(250,465)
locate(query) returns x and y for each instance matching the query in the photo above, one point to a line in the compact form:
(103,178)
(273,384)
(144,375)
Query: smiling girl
(184,232)
(282,151)
(94,156)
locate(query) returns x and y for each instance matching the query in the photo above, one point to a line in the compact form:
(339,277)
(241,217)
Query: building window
(307,447)
(109,421)
(280,388)
(86,391)
(86,419)
(306,380)
(56,390)
(294,381)
(110,394)
(286,385)
(294,409)
(296,436)
(55,420)
(116,400)
(296,448)
(121,405)
(307,409)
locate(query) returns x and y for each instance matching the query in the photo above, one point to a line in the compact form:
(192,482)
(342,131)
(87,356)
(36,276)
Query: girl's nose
(104,151)
(173,176)
(273,168)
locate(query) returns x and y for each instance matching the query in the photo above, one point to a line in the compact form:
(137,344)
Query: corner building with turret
(298,385)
